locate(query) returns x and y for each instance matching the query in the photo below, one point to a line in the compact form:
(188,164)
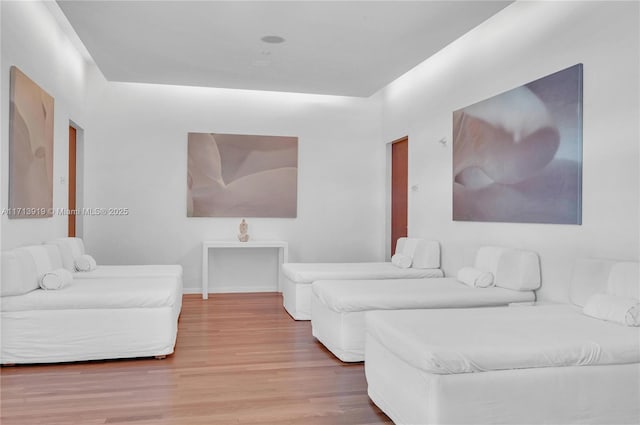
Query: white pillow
(401,260)
(518,270)
(475,278)
(41,258)
(409,247)
(70,249)
(400,244)
(625,311)
(624,280)
(56,279)
(11,277)
(29,273)
(426,255)
(487,258)
(85,263)
(589,277)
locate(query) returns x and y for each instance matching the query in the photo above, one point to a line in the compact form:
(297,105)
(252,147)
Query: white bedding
(606,394)
(131,271)
(546,364)
(131,313)
(394,294)
(310,272)
(46,336)
(476,340)
(100,294)
(338,307)
(297,279)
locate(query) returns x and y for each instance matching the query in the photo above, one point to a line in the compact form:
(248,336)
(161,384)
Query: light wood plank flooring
(239,359)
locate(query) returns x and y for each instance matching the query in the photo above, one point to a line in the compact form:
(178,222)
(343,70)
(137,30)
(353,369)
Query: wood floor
(239,359)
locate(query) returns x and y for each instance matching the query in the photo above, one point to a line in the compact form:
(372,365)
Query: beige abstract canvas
(232,175)
(30,149)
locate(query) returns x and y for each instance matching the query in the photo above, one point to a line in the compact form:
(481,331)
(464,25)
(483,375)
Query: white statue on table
(243,236)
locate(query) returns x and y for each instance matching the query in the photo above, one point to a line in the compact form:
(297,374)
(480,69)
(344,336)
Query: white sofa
(89,319)
(298,277)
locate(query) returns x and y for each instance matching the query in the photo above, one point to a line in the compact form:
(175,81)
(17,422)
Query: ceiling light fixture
(272,39)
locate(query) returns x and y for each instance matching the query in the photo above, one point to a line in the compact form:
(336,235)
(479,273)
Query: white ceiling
(350,48)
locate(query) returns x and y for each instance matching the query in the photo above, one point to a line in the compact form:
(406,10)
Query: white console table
(283,255)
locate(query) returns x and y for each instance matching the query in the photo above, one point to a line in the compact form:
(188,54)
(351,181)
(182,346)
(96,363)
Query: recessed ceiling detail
(350,48)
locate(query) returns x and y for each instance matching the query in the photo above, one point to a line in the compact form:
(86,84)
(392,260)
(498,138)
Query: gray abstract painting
(517,157)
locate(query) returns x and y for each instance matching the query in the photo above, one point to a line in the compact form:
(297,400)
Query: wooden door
(72,182)
(399,187)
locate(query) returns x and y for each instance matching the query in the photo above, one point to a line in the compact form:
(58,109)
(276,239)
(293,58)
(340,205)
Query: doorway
(72,182)
(399,190)
(75,183)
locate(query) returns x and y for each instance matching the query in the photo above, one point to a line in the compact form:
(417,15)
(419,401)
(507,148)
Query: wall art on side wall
(30,149)
(233,175)
(517,157)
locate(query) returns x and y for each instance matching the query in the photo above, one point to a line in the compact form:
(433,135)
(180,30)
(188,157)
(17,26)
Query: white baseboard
(192,290)
(227,289)
(230,289)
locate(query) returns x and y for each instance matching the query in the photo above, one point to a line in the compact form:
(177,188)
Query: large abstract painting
(30,149)
(517,157)
(231,175)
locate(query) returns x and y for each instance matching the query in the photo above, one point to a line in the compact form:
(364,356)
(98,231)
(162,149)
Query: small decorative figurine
(243,236)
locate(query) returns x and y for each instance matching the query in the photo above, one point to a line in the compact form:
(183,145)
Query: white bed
(338,307)
(71,248)
(298,277)
(88,319)
(339,323)
(507,365)
(143,292)
(92,319)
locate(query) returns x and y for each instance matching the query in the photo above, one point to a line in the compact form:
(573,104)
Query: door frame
(72,179)
(388,193)
(79,218)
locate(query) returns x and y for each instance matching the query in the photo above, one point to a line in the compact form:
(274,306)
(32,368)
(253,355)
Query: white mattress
(46,336)
(310,272)
(475,340)
(131,271)
(395,294)
(339,307)
(100,294)
(606,394)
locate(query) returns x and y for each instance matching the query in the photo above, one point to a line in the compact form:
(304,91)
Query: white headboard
(516,269)
(589,276)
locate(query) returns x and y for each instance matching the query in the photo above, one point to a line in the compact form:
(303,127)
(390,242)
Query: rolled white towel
(625,311)
(56,279)
(85,263)
(401,260)
(475,278)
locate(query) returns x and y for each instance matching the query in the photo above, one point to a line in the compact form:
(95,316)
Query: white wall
(136,157)
(524,42)
(33,41)
(135,144)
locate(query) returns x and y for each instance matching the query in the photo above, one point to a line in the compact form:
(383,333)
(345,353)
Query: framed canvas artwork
(517,157)
(30,149)
(234,175)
